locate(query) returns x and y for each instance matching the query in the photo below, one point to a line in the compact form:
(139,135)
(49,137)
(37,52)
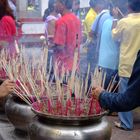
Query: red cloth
(7,33)
(67,28)
(7,26)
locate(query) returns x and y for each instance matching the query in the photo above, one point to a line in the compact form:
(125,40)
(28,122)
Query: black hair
(67,3)
(5,9)
(77,2)
(134,5)
(93,3)
(121,4)
(49,9)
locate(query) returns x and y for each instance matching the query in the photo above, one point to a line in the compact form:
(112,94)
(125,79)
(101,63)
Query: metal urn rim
(63,118)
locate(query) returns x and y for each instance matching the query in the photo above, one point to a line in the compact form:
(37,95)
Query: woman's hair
(49,9)
(134,5)
(5,9)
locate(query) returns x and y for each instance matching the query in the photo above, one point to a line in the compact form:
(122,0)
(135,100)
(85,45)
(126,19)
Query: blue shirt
(109,49)
(104,16)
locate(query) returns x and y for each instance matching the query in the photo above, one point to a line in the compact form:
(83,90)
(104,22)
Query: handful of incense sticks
(34,87)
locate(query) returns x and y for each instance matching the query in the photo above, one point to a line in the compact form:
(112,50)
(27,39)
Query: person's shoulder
(125,19)
(50,17)
(123,22)
(91,12)
(60,22)
(108,21)
(74,17)
(63,18)
(102,14)
(7,19)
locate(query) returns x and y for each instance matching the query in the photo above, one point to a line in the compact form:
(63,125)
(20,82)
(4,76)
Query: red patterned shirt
(68,27)
(7,26)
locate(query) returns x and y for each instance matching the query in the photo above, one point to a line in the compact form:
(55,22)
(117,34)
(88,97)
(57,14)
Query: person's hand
(6,87)
(96,91)
(115,21)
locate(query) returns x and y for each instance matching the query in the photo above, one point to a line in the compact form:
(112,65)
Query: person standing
(127,32)
(50,17)
(7,22)
(67,34)
(108,47)
(7,25)
(95,8)
(95,34)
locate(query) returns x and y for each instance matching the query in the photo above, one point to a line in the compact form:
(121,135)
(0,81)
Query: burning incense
(34,82)
(74,68)
(16,47)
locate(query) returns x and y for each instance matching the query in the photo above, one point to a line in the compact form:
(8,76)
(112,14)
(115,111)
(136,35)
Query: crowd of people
(125,33)
(113,30)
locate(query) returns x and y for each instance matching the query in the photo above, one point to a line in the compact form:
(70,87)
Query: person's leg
(126,118)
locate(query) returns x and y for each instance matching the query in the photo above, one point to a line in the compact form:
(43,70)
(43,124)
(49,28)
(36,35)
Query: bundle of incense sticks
(33,84)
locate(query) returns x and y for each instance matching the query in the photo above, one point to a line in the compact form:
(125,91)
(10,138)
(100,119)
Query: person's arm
(117,32)
(128,100)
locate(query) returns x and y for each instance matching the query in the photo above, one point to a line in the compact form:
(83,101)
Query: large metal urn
(53,127)
(19,113)
(2,104)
